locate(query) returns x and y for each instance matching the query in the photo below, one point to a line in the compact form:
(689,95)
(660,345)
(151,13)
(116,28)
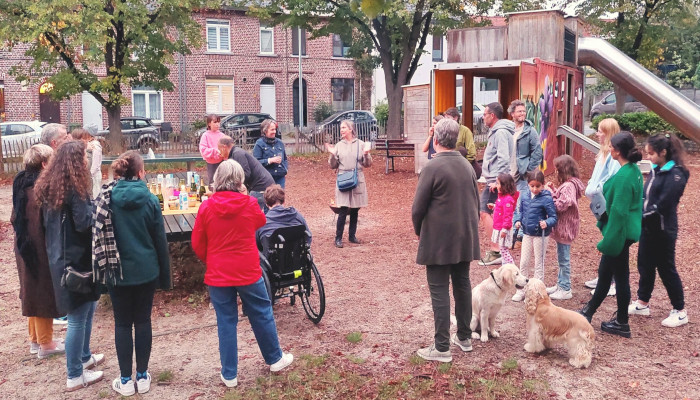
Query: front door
(295,101)
(267,97)
(92,111)
(49,110)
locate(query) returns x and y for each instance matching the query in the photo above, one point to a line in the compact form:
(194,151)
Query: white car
(18,136)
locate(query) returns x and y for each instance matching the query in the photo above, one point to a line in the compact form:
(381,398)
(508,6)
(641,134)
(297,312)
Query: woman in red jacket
(224,238)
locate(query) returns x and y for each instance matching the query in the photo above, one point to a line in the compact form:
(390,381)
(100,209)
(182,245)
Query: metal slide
(578,137)
(646,87)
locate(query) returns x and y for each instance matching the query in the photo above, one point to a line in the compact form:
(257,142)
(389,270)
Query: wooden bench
(189,159)
(395,148)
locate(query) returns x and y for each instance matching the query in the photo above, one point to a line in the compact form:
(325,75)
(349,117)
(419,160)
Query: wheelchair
(289,270)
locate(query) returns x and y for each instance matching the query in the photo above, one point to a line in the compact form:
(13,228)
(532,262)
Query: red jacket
(224,238)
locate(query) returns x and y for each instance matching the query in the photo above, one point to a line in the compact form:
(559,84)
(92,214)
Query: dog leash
(494,281)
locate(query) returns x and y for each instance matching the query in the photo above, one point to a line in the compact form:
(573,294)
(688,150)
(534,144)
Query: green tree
(640,28)
(131,41)
(394,31)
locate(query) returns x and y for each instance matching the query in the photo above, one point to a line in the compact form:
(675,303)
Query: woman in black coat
(35,285)
(64,191)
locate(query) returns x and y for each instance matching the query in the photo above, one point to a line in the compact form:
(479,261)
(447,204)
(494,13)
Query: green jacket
(623,204)
(466,139)
(140,235)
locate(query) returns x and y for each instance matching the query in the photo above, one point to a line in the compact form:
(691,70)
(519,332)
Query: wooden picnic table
(178,228)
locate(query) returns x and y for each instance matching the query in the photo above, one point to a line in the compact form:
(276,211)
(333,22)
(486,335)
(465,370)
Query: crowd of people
(71,229)
(517,204)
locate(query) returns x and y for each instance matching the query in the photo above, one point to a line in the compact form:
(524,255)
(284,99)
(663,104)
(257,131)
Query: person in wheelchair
(278,216)
(224,238)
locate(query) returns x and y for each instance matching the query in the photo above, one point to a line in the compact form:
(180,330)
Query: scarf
(106,263)
(270,141)
(27,250)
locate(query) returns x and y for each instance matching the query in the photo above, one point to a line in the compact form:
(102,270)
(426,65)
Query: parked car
(138,133)
(365,125)
(477,118)
(608,105)
(236,122)
(18,136)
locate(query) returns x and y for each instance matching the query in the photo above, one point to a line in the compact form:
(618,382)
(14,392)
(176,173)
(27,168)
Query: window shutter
(227,99)
(224,38)
(211,38)
(212,99)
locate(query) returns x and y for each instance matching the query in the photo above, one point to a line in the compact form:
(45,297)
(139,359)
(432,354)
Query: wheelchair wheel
(268,287)
(313,297)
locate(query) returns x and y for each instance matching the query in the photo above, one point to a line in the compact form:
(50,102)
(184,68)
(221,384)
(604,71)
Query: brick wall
(244,65)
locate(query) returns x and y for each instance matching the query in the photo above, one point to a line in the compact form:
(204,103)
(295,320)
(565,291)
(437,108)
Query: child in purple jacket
(568,220)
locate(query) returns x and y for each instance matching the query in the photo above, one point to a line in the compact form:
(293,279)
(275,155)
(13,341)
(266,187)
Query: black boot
(586,312)
(339,242)
(616,328)
(354,239)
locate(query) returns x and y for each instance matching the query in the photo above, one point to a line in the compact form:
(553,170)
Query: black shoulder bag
(347,181)
(72,279)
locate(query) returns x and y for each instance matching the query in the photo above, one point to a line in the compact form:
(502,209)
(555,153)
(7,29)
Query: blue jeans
(259,310)
(78,338)
(524,190)
(564,259)
(280,180)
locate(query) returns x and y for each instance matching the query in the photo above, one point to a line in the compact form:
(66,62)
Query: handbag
(348,180)
(72,279)
(598,205)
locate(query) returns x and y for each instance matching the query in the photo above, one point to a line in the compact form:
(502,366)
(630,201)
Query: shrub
(640,123)
(198,124)
(381,112)
(322,111)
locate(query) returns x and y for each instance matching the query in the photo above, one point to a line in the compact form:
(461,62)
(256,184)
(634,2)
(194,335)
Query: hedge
(640,123)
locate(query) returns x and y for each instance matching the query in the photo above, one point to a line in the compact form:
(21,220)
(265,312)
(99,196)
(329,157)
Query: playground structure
(537,58)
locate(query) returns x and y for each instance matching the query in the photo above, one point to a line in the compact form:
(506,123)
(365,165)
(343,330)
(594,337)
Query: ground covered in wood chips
(378,314)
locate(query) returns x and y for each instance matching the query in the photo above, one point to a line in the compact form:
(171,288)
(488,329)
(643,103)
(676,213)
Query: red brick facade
(243,65)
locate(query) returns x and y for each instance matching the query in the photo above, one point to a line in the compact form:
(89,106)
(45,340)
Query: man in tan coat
(445,216)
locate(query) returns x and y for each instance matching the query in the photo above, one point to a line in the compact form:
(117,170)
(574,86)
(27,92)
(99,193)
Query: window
(127,124)
(488,84)
(340,49)
(569,46)
(295,41)
(235,122)
(256,118)
(343,93)
(147,103)
(219,94)
(437,48)
(141,123)
(218,39)
(2,101)
(266,40)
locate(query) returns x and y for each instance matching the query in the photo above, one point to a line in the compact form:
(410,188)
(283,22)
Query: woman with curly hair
(64,191)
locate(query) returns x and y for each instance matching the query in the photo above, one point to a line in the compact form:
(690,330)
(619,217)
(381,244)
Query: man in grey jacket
(445,216)
(497,157)
(528,150)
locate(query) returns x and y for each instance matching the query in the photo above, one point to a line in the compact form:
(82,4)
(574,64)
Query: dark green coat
(445,211)
(140,235)
(623,204)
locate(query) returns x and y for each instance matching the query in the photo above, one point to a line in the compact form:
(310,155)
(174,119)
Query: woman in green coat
(621,226)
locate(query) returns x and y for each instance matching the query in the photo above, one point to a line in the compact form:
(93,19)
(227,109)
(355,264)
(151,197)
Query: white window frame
(272,33)
(218,24)
(221,87)
(147,94)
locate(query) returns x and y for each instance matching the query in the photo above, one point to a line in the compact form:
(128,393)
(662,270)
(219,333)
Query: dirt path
(377,289)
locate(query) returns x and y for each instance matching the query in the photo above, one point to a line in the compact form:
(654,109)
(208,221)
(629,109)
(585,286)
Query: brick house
(243,66)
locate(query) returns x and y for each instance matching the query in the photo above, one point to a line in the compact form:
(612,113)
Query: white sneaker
(95,359)
(124,389)
(282,363)
(465,345)
(611,292)
(552,289)
(59,349)
(431,354)
(86,379)
(228,382)
(519,295)
(591,284)
(144,384)
(675,319)
(561,294)
(638,308)
(60,321)
(34,348)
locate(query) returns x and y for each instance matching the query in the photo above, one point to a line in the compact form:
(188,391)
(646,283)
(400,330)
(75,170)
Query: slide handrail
(646,87)
(578,137)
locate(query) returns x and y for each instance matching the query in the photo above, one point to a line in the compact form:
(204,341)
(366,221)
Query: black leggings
(132,307)
(619,267)
(657,250)
(340,226)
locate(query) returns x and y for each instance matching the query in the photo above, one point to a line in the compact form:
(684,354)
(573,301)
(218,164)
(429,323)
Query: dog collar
(494,281)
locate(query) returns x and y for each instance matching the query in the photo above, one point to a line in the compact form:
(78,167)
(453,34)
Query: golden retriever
(548,325)
(489,296)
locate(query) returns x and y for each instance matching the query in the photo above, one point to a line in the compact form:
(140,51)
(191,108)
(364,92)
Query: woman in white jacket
(94,154)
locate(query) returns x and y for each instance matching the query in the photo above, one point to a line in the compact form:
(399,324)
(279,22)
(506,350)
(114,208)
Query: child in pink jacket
(503,215)
(209,145)
(568,220)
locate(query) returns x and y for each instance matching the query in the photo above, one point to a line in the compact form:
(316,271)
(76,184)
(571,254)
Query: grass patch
(165,376)
(535,385)
(354,337)
(356,360)
(444,368)
(495,388)
(415,359)
(509,365)
(314,361)
(103,394)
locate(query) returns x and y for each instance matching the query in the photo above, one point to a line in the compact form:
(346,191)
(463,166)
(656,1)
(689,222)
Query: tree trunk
(114,138)
(620,100)
(394,96)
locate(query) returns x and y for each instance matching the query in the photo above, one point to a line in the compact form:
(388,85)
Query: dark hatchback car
(248,121)
(365,125)
(138,133)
